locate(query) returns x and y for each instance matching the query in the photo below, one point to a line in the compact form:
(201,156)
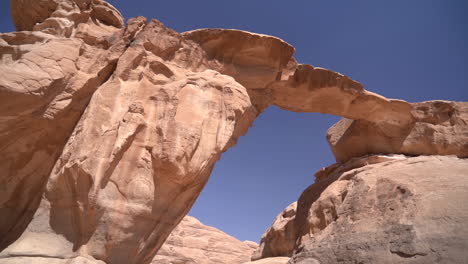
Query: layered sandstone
(109,131)
(191,242)
(395,209)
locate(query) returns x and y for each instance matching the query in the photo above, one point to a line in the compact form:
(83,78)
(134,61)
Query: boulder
(439,128)
(396,209)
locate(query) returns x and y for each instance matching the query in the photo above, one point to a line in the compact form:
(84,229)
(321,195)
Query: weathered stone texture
(191,242)
(399,210)
(439,128)
(109,131)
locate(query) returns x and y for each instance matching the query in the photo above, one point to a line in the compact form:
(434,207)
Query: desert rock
(191,242)
(109,131)
(159,116)
(47,81)
(439,128)
(399,210)
(275,260)
(280,238)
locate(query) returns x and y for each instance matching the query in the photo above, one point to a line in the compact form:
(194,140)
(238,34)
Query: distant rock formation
(378,209)
(109,131)
(191,242)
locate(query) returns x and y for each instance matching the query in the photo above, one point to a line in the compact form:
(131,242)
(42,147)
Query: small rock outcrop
(280,238)
(380,209)
(191,242)
(438,127)
(109,130)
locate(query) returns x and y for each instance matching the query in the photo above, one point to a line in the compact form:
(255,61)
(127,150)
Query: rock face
(109,131)
(48,78)
(439,127)
(191,242)
(396,210)
(280,238)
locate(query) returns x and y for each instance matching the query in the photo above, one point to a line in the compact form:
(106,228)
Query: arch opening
(266,171)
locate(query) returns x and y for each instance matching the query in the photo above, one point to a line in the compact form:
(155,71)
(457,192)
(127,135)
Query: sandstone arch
(163,107)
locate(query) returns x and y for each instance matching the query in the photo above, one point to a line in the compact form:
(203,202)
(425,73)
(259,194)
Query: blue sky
(413,50)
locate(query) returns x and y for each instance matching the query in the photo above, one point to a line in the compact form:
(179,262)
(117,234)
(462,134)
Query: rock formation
(191,242)
(378,209)
(280,238)
(49,74)
(274,260)
(438,127)
(109,131)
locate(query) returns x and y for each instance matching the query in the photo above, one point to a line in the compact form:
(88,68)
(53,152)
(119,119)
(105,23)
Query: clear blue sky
(413,50)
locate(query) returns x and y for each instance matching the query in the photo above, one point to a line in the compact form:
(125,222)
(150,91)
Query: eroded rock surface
(48,77)
(399,210)
(159,121)
(439,127)
(191,242)
(112,129)
(280,238)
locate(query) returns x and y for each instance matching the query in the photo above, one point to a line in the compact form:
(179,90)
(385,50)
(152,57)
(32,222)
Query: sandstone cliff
(109,130)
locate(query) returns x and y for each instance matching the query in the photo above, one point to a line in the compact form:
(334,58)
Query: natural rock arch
(162,108)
